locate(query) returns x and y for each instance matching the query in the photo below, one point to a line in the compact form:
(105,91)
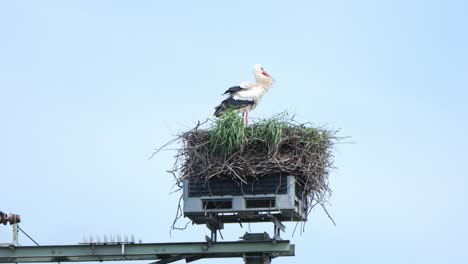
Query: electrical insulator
(11,218)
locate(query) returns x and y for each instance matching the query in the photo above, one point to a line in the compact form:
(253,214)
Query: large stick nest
(277,146)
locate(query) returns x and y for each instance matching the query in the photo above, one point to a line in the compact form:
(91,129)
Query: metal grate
(217,204)
(272,184)
(260,203)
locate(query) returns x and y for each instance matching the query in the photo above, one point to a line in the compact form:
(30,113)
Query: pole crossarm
(165,252)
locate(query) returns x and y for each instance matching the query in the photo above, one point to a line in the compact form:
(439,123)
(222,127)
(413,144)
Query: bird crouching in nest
(245,97)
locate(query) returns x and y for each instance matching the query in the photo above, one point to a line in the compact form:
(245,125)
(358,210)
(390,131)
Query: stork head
(261,75)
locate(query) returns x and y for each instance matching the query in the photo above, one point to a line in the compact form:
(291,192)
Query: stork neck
(265,83)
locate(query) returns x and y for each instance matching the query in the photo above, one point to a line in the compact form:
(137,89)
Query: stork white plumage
(245,97)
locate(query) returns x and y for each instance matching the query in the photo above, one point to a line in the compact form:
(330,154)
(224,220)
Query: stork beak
(266,74)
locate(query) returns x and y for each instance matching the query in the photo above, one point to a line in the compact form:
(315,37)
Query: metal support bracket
(214,225)
(15,241)
(278,227)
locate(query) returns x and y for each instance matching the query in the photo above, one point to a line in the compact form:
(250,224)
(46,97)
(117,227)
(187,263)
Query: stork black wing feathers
(233,90)
(231,103)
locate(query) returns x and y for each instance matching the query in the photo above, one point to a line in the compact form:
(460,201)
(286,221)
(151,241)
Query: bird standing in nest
(245,97)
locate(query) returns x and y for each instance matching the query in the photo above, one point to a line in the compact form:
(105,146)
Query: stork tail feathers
(231,103)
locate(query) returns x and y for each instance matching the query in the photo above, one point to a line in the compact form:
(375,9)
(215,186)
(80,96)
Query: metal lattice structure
(273,199)
(253,248)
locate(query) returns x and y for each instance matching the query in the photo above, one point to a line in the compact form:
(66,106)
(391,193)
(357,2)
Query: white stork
(247,95)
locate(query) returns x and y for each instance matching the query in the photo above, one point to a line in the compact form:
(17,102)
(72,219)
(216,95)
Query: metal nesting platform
(225,200)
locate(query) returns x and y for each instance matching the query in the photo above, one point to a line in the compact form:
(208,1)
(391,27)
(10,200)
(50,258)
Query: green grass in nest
(269,133)
(229,134)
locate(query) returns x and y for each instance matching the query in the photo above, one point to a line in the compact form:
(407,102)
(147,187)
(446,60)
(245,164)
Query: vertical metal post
(15,234)
(257,259)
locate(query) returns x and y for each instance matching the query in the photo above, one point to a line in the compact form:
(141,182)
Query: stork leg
(246,118)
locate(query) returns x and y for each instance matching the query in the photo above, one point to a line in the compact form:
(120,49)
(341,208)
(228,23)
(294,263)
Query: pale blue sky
(88,89)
